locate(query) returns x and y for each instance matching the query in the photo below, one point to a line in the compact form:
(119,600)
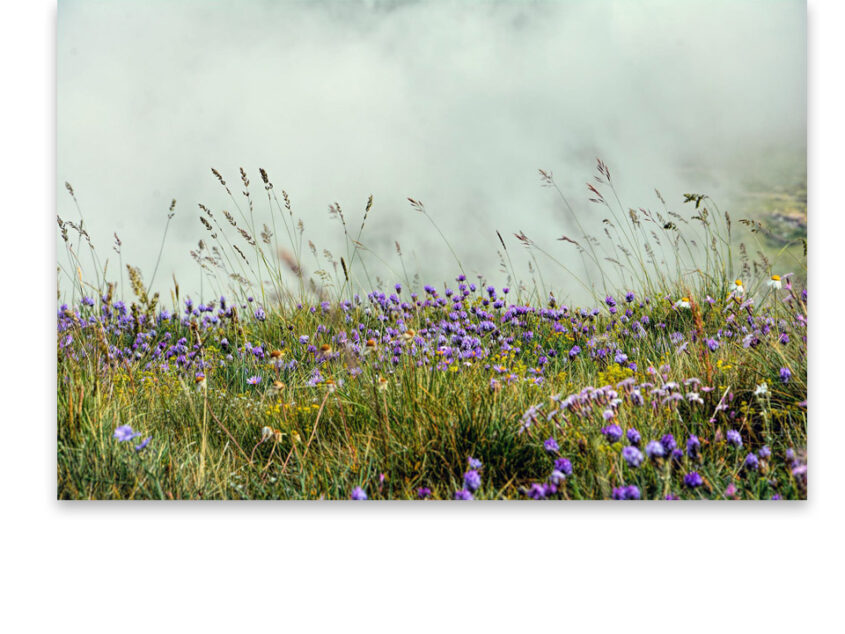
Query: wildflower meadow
(680,373)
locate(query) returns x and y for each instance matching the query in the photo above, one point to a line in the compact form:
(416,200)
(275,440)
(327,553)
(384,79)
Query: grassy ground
(679,384)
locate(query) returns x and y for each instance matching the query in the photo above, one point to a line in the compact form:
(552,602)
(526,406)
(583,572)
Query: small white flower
(775,281)
(682,303)
(738,289)
(761,390)
(693,397)
(266,433)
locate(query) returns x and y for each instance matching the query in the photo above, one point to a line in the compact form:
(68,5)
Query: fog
(455,104)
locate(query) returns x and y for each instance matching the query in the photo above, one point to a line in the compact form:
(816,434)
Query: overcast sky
(456,104)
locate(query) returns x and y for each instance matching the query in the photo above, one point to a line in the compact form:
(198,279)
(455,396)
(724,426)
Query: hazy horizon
(454,104)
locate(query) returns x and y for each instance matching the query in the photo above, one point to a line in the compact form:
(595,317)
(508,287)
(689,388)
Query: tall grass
(294,386)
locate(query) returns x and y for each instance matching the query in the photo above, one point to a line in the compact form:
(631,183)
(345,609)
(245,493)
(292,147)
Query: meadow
(684,376)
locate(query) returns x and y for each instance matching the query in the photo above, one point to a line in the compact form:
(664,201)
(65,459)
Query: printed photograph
(431,250)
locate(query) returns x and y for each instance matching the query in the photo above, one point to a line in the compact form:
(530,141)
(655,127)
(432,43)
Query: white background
(92,567)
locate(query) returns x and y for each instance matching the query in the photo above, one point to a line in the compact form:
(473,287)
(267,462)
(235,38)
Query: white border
(211,567)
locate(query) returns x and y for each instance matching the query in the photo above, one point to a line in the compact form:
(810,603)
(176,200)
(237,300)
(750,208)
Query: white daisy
(682,303)
(775,281)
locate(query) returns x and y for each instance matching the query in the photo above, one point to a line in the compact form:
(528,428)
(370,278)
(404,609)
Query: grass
(299,387)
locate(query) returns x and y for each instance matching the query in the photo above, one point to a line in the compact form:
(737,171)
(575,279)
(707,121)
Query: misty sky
(456,104)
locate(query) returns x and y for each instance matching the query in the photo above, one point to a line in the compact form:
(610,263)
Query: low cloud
(454,104)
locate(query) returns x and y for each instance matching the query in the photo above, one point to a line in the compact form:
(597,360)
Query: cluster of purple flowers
(632,456)
(693,480)
(630,492)
(467,326)
(613,433)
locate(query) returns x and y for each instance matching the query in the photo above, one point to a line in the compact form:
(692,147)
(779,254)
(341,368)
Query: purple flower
(632,456)
(610,301)
(473,463)
(556,477)
(654,449)
(539,491)
(463,494)
(730,491)
(573,352)
(668,442)
(629,297)
(472,480)
(785,375)
(764,452)
(303,339)
(613,433)
(125,432)
(143,444)
(551,445)
(712,344)
(630,492)
(751,462)
(254,380)
(423,492)
(693,480)
(358,494)
(260,315)
(734,438)
(564,466)
(693,446)
(633,436)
